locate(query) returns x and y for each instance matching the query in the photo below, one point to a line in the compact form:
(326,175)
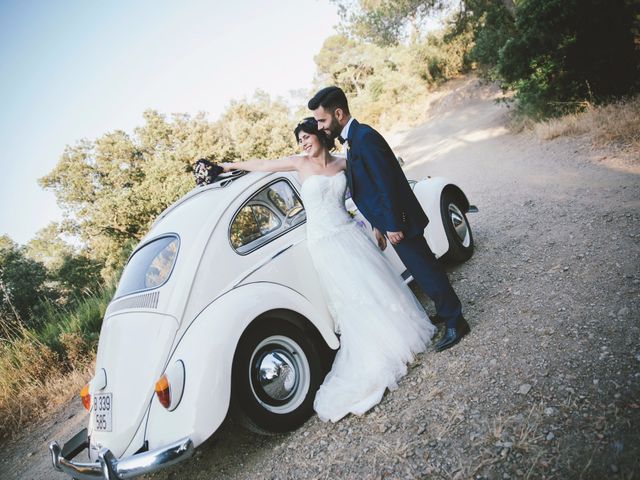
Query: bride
(381,323)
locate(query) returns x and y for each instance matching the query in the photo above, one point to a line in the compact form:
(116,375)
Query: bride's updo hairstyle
(310,125)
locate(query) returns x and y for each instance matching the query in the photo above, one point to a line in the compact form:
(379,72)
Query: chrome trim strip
(137,249)
(266,262)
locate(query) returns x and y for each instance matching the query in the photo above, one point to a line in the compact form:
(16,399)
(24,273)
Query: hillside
(547,383)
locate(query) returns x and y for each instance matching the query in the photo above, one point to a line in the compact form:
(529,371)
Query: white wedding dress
(382,324)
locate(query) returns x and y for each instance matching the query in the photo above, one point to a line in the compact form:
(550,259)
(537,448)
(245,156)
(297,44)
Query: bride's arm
(284,164)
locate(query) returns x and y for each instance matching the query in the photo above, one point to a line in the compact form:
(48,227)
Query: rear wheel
(457,229)
(277,370)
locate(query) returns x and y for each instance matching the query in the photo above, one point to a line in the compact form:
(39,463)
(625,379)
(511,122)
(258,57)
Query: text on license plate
(102,411)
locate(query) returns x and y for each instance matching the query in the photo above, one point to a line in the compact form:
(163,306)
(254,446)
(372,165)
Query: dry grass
(616,124)
(42,369)
(34,381)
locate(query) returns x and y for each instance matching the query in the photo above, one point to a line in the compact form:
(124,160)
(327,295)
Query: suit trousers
(421,262)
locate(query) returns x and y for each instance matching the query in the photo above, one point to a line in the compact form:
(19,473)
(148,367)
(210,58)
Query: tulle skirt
(381,323)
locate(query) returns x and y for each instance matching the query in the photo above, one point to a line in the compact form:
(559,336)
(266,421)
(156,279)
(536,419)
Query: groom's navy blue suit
(381,192)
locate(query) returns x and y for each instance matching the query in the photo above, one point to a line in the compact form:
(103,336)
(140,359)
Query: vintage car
(219,310)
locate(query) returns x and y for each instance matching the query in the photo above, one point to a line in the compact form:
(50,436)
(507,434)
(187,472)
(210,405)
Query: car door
(269,232)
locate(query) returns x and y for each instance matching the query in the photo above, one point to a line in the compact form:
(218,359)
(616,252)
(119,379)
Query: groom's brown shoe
(436,319)
(453,335)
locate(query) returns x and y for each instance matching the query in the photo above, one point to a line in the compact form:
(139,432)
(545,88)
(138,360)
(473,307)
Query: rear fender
(207,349)
(429,193)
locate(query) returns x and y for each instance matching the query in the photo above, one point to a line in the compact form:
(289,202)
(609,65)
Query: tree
(78,276)
(386,22)
(23,287)
(111,189)
(348,64)
(48,248)
(556,54)
(566,51)
(256,128)
(491,24)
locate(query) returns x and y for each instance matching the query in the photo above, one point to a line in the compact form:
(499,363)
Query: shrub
(566,51)
(45,368)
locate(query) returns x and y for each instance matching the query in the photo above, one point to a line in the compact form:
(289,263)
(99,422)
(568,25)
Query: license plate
(102,411)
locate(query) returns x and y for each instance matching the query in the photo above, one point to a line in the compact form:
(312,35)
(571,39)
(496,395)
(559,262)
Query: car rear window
(150,266)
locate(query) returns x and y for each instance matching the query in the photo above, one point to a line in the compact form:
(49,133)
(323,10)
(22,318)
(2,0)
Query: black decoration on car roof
(206,172)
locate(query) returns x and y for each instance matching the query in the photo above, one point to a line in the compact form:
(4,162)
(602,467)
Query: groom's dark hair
(330,98)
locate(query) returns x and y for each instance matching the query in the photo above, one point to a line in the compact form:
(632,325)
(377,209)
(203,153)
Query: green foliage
(259,128)
(38,367)
(112,189)
(492,24)
(376,77)
(83,319)
(566,51)
(78,276)
(386,22)
(48,247)
(70,272)
(23,288)
(442,55)
(349,64)
(556,54)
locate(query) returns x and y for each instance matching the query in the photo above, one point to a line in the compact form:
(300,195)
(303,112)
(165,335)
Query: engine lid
(133,351)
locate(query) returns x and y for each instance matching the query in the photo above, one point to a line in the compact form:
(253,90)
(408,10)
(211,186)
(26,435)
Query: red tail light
(163,391)
(86,397)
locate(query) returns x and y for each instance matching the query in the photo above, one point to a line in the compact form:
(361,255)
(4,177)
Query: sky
(76,69)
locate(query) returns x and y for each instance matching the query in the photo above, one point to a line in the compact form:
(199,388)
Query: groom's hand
(382,241)
(395,237)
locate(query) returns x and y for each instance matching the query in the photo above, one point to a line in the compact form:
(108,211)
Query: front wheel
(277,371)
(457,229)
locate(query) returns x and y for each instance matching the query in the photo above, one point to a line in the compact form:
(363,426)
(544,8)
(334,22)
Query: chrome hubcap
(276,375)
(279,373)
(459,225)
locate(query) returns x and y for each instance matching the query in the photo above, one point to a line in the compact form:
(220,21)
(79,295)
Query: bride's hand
(380,238)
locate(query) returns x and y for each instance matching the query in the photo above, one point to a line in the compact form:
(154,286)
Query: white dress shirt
(345,130)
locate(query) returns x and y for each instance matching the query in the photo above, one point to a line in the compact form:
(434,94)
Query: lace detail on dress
(323,197)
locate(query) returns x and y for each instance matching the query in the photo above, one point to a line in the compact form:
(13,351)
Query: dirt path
(548,383)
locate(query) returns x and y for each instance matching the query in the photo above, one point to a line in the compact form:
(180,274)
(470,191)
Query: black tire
(456,227)
(298,364)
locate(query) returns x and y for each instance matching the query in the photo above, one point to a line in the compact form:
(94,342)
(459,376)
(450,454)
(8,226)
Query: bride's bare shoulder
(339,161)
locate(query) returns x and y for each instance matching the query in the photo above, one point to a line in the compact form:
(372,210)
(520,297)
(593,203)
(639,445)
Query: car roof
(204,205)
(224,193)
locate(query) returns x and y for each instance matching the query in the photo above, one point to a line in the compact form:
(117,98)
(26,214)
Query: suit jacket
(378,185)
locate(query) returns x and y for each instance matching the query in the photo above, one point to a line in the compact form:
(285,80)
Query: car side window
(286,201)
(269,213)
(251,223)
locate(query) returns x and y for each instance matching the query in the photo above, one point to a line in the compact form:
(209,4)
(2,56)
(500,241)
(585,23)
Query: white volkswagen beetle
(219,309)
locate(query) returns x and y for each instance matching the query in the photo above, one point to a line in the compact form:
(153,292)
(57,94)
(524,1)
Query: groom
(381,192)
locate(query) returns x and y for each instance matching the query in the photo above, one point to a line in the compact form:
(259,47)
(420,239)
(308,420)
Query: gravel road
(547,385)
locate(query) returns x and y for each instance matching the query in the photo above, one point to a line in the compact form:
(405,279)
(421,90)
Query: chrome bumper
(110,468)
